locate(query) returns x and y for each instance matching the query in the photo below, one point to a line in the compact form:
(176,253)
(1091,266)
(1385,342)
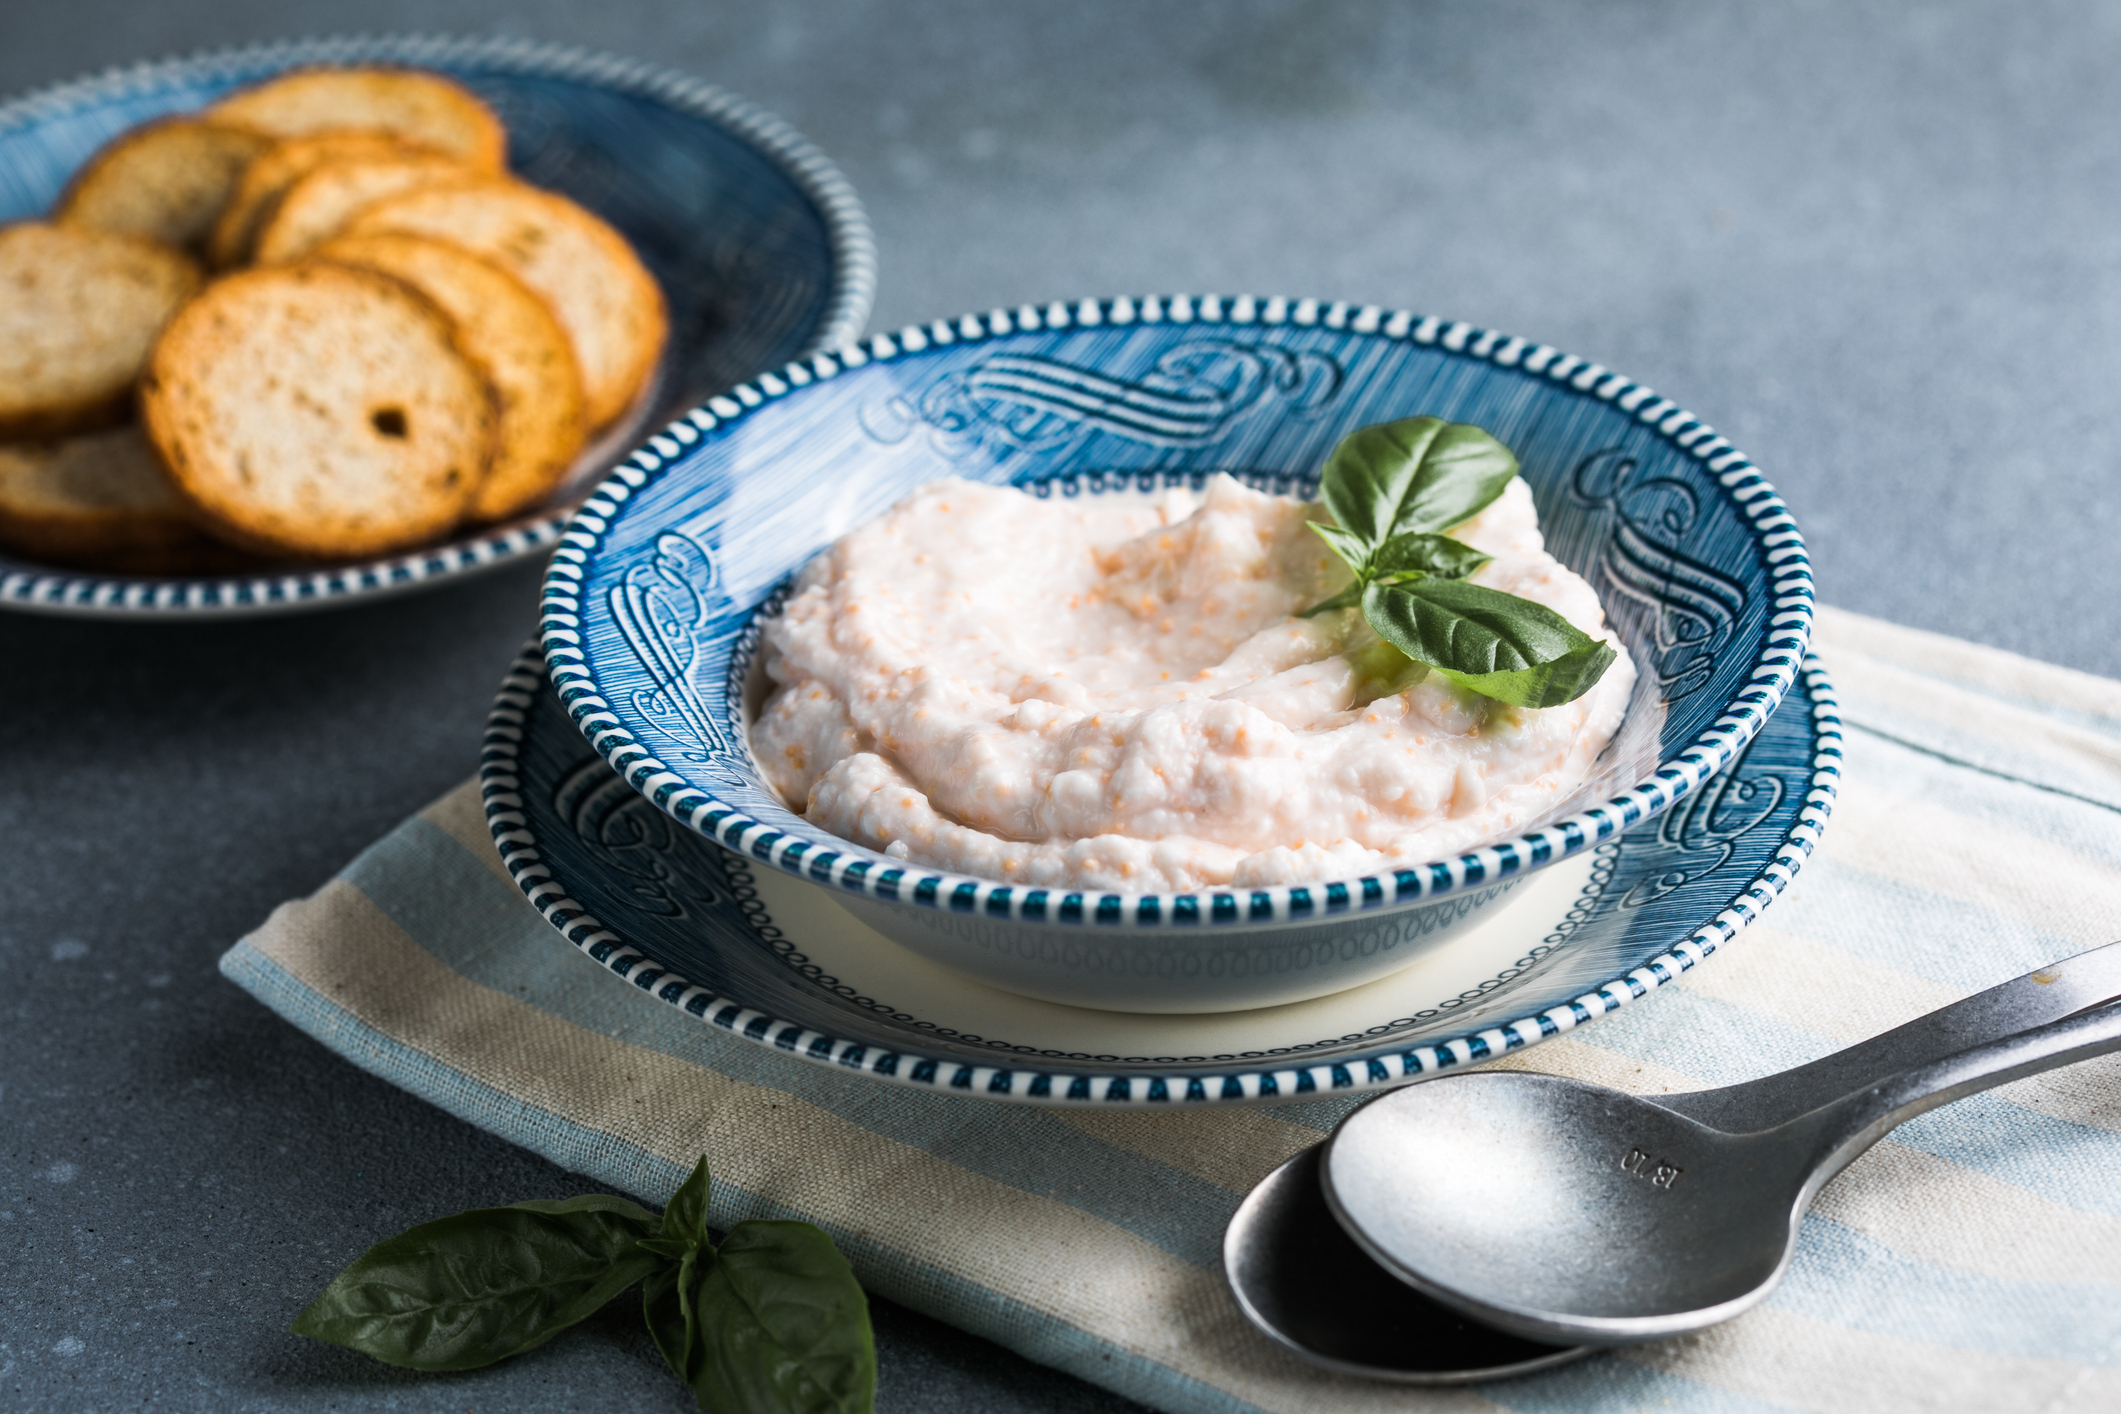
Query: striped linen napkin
(1971,1261)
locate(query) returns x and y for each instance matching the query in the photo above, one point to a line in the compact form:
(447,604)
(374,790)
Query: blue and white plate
(766,957)
(758,242)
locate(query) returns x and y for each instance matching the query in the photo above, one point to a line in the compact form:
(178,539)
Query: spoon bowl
(1303,1281)
(1540,1204)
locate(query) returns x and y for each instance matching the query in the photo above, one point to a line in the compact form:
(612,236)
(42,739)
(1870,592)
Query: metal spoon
(1566,1212)
(1302,1280)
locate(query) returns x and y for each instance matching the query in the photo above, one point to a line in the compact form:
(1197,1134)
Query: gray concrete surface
(1874,244)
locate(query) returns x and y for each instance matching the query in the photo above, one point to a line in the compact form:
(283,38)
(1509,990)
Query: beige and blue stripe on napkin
(1970,1261)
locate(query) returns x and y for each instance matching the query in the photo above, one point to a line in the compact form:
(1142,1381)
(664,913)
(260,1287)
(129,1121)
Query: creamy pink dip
(1109,692)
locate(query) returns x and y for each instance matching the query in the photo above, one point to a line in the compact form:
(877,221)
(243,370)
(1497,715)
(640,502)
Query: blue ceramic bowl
(758,243)
(654,598)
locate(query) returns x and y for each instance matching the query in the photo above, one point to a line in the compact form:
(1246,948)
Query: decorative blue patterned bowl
(757,241)
(653,602)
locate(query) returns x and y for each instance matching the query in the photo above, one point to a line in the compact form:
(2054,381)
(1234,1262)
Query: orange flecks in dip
(1112,692)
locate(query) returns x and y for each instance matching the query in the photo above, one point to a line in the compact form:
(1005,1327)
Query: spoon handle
(1844,1130)
(2007,1015)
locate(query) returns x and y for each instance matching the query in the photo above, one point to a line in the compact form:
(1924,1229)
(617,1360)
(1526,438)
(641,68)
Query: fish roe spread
(1112,692)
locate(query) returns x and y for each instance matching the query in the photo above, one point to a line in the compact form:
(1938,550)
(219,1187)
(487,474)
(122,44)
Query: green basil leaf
(1417,474)
(1347,599)
(1493,643)
(781,1325)
(667,1307)
(466,1291)
(588,1203)
(1346,544)
(1418,553)
(685,1217)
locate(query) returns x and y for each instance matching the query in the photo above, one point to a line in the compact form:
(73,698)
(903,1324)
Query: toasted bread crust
(167,181)
(410,104)
(512,338)
(319,206)
(610,306)
(79,309)
(318,410)
(272,172)
(102,501)
(89,497)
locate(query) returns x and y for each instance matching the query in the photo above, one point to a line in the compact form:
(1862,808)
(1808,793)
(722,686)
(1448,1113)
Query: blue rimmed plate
(758,242)
(778,963)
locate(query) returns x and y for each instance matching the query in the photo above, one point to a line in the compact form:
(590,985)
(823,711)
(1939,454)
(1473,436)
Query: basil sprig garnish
(1394,489)
(772,1320)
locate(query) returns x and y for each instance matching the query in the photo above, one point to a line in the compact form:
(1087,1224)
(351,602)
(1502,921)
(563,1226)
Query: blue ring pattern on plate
(637,613)
(678,917)
(789,268)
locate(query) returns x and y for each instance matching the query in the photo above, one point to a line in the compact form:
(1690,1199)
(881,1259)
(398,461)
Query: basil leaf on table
(772,1320)
(667,1307)
(466,1291)
(685,1216)
(1493,643)
(1417,474)
(778,1322)
(771,1323)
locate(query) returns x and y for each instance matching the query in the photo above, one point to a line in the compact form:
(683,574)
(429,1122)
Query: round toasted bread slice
(166,181)
(512,338)
(318,410)
(78,310)
(88,498)
(411,104)
(610,306)
(318,206)
(102,501)
(273,171)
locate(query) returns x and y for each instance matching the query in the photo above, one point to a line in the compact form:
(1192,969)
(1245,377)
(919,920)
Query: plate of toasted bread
(299,325)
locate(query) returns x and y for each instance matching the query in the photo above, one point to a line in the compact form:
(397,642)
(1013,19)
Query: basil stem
(1348,598)
(466,1291)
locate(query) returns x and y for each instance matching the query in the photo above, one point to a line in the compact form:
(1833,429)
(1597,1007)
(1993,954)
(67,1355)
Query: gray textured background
(1875,245)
